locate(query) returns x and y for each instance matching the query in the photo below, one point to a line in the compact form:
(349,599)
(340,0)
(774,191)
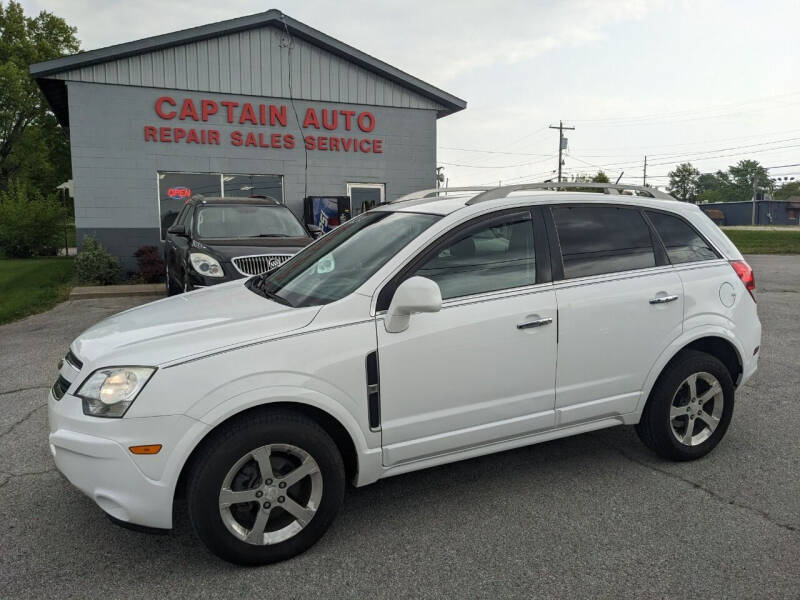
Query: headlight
(206,265)
(109,392)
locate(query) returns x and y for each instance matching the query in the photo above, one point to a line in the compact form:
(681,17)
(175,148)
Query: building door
(364,196)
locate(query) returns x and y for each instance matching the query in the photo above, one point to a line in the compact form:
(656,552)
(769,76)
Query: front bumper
(93,454)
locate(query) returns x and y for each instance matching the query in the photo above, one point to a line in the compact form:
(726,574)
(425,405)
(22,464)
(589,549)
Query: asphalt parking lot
(590,516)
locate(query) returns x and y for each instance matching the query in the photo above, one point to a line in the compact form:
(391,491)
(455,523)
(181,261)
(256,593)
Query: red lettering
(277,114)
(346,143)
(348,116)
(236,138)
(362,122)
(188,110)
(377,146)
(160,102)
(230,106)
(164,134)
(311,119)
(262,141)
(251,140)
(208,108)
(275,140)
(322,143)
(309,140)
(192,137)
(335,144)
(355,144)
(150,133)
(365,146)
(179,133)
(262,113)
(333,123)
(248,114)
(288,141)
(213,137)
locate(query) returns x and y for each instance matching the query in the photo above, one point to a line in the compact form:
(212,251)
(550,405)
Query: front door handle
(663,299)
(535,323)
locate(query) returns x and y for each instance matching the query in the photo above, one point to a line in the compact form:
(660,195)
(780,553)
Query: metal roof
(55,90)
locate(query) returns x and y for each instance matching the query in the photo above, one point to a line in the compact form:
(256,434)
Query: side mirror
(414,295)
(178,230)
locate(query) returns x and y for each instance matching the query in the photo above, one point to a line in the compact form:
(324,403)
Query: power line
(492,151)
(561,143)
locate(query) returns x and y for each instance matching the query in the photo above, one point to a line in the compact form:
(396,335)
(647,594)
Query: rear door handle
(663,299)
(535,323)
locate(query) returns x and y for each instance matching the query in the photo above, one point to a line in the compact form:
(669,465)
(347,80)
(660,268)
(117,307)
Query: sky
(710,82)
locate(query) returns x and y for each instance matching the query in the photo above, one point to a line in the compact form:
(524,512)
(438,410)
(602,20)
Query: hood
(188,325)
(228,249)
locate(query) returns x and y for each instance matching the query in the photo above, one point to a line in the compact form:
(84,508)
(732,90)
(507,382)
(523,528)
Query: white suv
(433,329)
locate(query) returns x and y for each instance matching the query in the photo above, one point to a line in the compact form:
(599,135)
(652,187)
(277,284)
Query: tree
(32,145)
(787,190)
(683,182)
(601,177)
(744,176)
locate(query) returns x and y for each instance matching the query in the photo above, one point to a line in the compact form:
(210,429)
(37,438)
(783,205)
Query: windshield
(231,221)
(341,261)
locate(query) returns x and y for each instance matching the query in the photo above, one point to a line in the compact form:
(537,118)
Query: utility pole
(753,216)
(644,176)
(562,143)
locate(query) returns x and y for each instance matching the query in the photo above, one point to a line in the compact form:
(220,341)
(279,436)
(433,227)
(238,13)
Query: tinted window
(496,256)
(246,221)
(602,239)
(682,242)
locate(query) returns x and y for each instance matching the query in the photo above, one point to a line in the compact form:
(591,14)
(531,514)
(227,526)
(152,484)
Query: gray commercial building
(260,105)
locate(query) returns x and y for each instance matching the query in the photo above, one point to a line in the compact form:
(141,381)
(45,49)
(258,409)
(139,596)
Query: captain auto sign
(327,129)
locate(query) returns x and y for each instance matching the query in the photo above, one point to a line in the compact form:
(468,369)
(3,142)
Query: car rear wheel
(265,489)
(689,409)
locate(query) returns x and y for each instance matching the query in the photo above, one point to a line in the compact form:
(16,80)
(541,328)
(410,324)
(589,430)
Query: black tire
(220,452)
(655,428)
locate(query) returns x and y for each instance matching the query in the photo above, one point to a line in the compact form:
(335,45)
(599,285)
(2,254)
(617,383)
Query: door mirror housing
(414,295)
(178,230)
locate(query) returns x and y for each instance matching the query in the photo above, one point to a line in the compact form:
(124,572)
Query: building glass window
(247,186)
(364,196)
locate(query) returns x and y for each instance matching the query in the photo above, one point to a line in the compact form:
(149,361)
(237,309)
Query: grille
(255,265)
(73,360)
(60,387)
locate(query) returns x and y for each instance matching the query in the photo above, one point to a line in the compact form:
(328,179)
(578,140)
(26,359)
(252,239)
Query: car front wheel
(266,488)
(689,409)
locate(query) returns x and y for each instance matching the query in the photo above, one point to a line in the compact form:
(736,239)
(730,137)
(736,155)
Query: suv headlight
(206,265)
(109,392)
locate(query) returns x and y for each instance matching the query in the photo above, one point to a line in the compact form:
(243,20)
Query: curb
(154,290)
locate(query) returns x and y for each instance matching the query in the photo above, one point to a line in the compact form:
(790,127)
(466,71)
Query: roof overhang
(55,89)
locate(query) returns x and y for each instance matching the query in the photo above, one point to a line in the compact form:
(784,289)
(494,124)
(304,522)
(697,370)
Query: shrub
(94,265)
(29,224)
(151,267)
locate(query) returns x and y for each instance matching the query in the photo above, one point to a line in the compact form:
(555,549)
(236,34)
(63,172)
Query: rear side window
(496,256)
(683,243)
(602,239)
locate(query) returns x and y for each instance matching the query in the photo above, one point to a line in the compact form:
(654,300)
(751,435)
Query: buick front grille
(257,264)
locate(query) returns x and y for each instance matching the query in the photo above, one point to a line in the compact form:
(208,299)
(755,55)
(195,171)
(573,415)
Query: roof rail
(608,188)
(436,191)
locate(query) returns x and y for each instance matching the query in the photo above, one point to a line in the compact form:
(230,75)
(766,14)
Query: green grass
(33,285)
(765,242)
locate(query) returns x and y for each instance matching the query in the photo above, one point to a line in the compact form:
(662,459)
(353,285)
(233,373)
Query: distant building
(768,212)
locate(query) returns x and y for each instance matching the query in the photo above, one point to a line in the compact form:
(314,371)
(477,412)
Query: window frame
(659,251)
(541,249)
(717,254)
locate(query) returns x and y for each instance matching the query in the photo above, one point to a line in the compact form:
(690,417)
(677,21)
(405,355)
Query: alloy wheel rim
(270,494)
(696,409)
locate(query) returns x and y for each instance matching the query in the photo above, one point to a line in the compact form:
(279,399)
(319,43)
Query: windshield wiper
(271,235)
(279,299)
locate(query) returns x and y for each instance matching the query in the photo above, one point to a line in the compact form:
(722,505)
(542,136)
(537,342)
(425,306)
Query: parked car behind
(221,239)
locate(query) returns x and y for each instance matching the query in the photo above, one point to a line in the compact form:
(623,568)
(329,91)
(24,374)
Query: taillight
(746,274)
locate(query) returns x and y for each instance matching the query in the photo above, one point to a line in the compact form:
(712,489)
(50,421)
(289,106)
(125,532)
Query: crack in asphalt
(12,476)
(711,493)
(25,389)
(27,416)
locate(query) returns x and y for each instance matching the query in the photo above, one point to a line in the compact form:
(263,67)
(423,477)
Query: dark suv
(220,239)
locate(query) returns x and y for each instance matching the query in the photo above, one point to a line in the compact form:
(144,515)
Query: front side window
(497,255)
(683,243)
(338,263)
(234,221)
(602,239)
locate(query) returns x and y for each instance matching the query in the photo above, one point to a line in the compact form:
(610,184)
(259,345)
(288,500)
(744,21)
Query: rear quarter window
(682,242)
